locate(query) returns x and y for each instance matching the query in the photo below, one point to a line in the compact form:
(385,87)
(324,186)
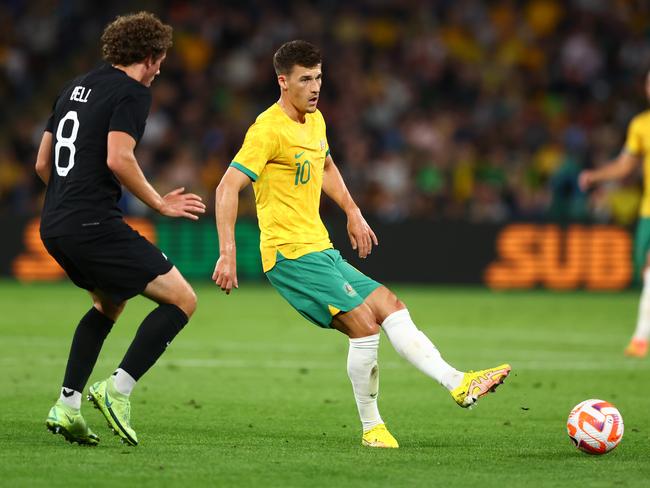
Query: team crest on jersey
(322,144)
(351,292)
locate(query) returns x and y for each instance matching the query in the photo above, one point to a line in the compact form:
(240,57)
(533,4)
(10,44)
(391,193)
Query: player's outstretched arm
(226,202)
(361,235)
(617,169)
(43,163)
(122,162)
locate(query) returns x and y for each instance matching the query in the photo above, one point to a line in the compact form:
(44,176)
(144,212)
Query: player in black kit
(86,154)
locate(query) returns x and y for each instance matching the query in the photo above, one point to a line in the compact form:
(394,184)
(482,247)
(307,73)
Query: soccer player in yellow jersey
(635,152)
(286,156)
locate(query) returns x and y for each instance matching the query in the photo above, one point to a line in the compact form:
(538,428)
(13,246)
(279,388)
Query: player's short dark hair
(292,53)
(132,38)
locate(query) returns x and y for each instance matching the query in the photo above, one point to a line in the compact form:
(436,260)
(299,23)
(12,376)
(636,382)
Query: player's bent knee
(383,303)
(355,323)
(361,322)
(173,289)
(192,302)
(187,301)
(368,329)
(393,303)
(109,309)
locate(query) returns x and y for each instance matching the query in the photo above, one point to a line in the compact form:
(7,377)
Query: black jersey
(83,193)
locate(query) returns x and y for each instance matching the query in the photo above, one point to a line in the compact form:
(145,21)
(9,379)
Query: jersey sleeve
(260,146)
(131,112)
(327,145)
(49,126)
(324,129)
(634,140)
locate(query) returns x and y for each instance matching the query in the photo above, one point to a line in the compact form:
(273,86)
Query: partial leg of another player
(65,416)
(362,329)
(177,303)
(638,346)
(415,347)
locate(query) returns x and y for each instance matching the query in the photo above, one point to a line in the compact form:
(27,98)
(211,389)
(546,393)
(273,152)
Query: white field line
(507,342)
(520,365)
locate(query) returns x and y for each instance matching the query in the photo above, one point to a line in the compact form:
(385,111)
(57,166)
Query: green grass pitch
(250,394)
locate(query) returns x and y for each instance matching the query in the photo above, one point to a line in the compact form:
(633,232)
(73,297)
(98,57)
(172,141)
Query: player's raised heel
(115,407)
(476,384)
(379,436)
(69,423)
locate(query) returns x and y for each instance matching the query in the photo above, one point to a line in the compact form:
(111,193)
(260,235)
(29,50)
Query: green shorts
(320,284)
(641,247)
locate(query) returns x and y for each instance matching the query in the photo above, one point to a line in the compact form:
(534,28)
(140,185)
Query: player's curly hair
(132,38)
(292,53)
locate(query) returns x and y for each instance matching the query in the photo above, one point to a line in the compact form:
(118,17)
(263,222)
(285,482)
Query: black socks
(157,330)
(86,344)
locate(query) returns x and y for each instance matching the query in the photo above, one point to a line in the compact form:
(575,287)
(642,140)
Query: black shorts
(119,262)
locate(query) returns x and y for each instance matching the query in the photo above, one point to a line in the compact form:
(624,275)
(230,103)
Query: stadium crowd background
(442,110)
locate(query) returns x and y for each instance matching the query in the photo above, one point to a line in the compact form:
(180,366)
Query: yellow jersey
(285,159)
(638,144)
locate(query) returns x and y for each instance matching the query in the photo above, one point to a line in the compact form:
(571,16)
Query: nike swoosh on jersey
(298,155)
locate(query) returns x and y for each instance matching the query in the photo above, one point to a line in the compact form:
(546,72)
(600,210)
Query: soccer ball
(595,426)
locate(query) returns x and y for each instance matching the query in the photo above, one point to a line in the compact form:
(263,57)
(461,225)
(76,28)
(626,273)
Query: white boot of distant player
(364,375)
(639,344)
(417,349)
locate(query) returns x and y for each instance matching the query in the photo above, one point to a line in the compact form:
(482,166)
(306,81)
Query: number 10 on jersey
(303,173)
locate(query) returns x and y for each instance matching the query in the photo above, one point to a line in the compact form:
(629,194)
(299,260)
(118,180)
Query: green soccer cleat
(69,422)
(115,407)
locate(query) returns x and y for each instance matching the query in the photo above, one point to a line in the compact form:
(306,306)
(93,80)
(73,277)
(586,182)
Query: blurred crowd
(472,110)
